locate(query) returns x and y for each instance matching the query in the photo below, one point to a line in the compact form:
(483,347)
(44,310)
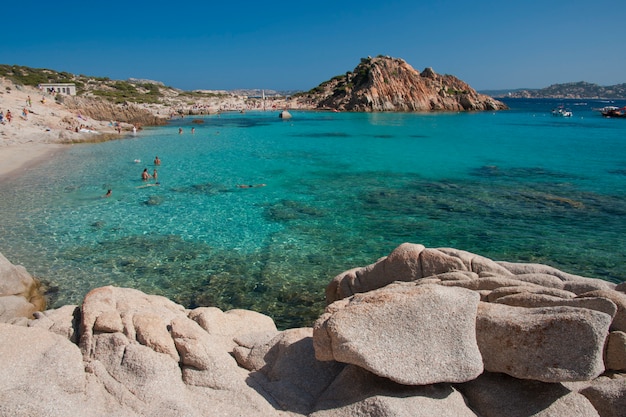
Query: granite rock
(549,344)
(498,395)
(20,293)
(411,334)
(404,336)
(615,354)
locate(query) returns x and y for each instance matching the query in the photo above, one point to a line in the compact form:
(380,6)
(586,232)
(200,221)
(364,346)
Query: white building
(59,88)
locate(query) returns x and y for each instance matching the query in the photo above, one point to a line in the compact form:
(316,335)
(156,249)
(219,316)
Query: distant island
(576,90)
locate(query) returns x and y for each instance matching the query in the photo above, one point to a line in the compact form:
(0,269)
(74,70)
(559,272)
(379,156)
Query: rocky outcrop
(20,295)
(390,84)
(421,332)
(99,109)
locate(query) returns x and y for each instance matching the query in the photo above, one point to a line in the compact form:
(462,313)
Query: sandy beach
(41,132)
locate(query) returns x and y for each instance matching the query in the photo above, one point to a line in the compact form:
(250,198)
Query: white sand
(27,140)
(16,159)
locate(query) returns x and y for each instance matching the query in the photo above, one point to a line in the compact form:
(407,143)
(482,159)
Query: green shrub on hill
(34,76)
(111,90)
(123,91)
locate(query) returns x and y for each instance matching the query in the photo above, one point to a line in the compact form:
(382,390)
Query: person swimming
(251,185)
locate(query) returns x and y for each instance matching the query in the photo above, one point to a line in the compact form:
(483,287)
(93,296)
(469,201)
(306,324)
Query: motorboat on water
(612,111)
(561,111)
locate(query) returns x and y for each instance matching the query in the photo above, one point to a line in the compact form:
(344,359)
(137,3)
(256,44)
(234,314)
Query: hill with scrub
(575,90)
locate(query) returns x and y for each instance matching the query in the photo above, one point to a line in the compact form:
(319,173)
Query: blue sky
(296,45)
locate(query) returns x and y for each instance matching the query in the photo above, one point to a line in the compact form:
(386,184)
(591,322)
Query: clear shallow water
(341,191)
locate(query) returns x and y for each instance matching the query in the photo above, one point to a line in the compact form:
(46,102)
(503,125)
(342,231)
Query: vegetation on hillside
(112,90)
(115,91)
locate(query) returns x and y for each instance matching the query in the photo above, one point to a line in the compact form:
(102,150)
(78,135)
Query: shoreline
(20,158)
(41,127)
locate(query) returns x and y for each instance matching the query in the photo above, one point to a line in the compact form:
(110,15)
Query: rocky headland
(420,332)
(384,83)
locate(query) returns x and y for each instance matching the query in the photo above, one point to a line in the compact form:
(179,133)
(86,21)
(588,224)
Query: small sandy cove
(40,132)
(40,127)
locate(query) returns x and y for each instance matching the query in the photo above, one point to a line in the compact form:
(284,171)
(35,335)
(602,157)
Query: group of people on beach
(8,116)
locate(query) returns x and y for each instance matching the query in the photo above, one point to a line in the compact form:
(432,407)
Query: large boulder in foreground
(550,344)
(498,395)
(534,322)
(156,358)
(126,353)
(356,392)
(411,262)
(411,334)
(20,294)
(43,374)
(608,395)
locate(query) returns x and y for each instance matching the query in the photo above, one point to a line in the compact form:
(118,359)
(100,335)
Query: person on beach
(29,102)
(25,113)
(145,175)
(157,161)
(8,116)
(1,117)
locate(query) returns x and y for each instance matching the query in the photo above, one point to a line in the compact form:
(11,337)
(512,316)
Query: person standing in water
(157,161)
(145,175)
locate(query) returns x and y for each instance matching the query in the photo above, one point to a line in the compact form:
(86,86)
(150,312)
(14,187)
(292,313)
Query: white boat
(561,112)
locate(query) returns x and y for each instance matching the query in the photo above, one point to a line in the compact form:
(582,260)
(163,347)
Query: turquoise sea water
(341,191)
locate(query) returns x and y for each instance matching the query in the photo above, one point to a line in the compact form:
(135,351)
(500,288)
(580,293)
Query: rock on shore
(420,332)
